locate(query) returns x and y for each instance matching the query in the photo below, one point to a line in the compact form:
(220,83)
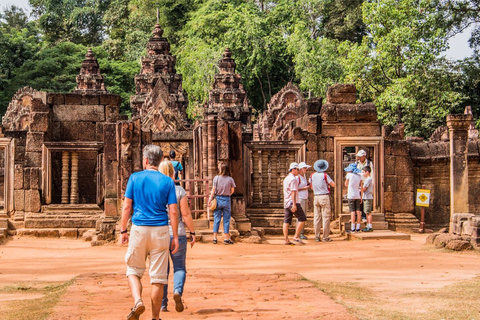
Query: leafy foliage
(391,49)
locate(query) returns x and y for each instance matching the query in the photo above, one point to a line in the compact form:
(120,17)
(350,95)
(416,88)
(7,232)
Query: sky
(459,48)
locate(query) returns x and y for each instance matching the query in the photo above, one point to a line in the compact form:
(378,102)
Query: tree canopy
(392,50)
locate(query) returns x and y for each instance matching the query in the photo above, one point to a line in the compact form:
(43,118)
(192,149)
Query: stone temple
(65,158)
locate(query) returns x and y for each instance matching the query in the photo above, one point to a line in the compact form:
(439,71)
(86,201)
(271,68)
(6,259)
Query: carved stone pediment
(19,111)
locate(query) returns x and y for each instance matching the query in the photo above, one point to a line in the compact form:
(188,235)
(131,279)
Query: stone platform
(379,235)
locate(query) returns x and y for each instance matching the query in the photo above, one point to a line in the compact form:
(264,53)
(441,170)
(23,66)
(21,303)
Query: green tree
(78,21)
(54,69)
(259,50)
(398,65)
(19,42)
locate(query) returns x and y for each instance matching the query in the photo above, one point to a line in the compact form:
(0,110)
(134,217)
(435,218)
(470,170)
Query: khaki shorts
(153,242)
(367,205)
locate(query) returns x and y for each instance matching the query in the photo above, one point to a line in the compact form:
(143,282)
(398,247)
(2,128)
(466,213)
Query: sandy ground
(243,281)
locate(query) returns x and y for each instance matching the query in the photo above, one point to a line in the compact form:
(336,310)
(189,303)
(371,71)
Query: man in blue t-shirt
(148,194)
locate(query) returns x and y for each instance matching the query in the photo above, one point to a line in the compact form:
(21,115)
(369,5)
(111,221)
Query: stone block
(387,147)
(311,157)
(18,177)
(390,183)
(329,157)
(403,166)
(90,99)
(400,148)
(389,165)
(111,113)
(110,143)
(405,184)
(34,141)
(32,201)
(322,144)
(458,245)
(330,145)
(110,176)
(110,99)
(314,105)
(350,129)
(342,93)
(37,105)
(26,178)
(33,159)
(366,112)
(313,124)
(388,201)
(76,112)
(86,131)
(403,202)
(19,154)
(328,112)
(55,98)
(431,238)
(35,178)
(19,200)
(39,122)
(312,143)
(99,131)
(346,112)
(73,98)
(111,207)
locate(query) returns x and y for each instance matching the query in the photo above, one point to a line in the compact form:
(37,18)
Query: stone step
(375,225)
(376,217)
(73,233)
(377,235)
(41,221)
(70,208)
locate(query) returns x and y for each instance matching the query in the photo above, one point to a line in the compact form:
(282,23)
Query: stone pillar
(65,164)
(212,147)
(458,125)
(74,179)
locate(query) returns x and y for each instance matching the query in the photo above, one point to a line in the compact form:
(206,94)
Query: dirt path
(243,281)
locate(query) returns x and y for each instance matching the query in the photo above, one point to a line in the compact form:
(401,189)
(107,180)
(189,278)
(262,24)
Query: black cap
(172,154)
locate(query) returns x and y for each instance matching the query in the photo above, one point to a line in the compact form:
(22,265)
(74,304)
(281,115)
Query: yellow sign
(423,198)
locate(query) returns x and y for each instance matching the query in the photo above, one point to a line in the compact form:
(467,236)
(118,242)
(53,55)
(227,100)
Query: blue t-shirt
(151,192)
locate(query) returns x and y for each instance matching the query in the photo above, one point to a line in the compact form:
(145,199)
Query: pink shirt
(290,184)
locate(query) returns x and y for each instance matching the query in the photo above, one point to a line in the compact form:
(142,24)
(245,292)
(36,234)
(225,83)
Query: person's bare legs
(285,232)
(135,287)
(299,229)
(359,218)
(352,219)
(156,298)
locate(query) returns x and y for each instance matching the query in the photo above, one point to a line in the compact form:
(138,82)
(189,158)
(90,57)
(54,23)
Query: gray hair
(153,153)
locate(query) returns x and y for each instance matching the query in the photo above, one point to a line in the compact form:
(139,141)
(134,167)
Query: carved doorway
(72,173)
(345,151)
(266,166)
(7,152)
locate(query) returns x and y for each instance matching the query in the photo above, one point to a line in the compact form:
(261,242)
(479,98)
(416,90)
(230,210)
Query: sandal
(214,241)
(137,310)
(227,241)
(289,243)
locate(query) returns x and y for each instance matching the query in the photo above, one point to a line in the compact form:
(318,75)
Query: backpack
(324,177)
(175,168)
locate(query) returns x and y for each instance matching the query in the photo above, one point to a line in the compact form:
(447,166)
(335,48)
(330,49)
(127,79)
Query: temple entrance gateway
(345,153)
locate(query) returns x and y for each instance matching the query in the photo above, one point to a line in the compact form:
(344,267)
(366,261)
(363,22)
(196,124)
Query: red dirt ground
(243,281)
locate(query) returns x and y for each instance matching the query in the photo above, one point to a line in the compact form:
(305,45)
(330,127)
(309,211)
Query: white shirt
(302,194)
(354,181)
(290,184)
(368,193)
(319,184)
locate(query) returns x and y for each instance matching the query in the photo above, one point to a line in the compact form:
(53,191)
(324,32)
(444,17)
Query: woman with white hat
(303,186)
